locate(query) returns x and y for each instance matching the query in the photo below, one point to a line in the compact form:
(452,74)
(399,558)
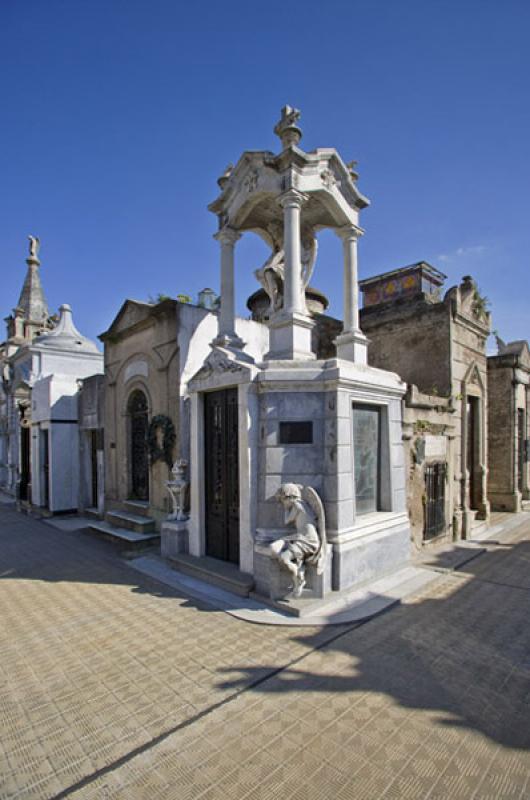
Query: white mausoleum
(42,360)
(262,419)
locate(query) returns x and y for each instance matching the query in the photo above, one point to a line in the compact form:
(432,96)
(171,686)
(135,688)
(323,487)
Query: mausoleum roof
(250,190)
(65,336)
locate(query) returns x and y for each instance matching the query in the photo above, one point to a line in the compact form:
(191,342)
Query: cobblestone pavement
(114,686)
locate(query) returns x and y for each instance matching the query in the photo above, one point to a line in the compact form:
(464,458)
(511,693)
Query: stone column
(290,328)
(352,343)
(351,291)
(293,295)
(227,335)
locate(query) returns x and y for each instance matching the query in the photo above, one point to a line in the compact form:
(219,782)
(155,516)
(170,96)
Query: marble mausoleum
(271,415)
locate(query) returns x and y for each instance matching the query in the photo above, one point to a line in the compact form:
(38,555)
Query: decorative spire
(289,133)
(32,301)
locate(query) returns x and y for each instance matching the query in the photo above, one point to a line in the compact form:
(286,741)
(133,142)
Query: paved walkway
(114,686)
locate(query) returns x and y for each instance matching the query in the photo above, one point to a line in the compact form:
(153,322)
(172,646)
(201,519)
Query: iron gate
(434,499)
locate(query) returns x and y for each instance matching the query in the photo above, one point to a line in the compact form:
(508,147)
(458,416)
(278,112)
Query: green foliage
(480,304)
(159,298)
(161,450)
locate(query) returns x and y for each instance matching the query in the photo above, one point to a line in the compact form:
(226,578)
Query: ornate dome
(65,336)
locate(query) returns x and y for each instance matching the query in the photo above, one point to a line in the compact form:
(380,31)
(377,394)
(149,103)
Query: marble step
(211,570)
(91,512)
(139,507)
(134,522)
(124,536)
(479,528)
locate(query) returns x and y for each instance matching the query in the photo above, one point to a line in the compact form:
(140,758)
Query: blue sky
(117,117)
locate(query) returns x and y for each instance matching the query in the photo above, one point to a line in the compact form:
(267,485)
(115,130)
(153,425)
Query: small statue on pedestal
(307,543)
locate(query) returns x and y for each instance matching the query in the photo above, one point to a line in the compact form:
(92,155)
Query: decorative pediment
(217,363)
(130,314)
(474,377)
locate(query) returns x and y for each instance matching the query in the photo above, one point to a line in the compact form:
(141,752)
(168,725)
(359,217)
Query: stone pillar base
(506,501)
(352,346)
(457,524)
(174,538)
(274,581)
(230,340)
(376,546)
(290,337)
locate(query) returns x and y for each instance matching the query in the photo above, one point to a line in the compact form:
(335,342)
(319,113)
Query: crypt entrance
(221,454)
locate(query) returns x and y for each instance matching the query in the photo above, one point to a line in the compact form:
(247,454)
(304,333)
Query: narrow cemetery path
(113,686)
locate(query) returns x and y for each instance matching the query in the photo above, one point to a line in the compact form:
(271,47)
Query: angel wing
(308,258)
(315,503)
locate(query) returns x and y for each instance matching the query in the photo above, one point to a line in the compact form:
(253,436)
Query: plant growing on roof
(480,303)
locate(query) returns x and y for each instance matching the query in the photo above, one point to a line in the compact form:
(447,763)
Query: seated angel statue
(271,276)
(306,544)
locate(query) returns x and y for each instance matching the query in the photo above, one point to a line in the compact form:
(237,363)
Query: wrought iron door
(222,475)
(138,446)
(434,499)
(46,466)
(472,455)
(25,462)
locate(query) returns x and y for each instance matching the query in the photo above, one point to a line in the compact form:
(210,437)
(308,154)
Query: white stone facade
(42,361)
(280,382)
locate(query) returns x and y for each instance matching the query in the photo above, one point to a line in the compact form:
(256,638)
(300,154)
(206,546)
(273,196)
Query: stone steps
(124,536)
(93,513)
(132,522)
(221,573)
(138,507)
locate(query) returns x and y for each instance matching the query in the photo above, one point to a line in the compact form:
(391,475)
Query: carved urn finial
(287,129)
(178,488)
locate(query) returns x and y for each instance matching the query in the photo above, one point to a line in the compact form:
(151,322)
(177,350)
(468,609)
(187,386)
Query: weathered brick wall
(411,339)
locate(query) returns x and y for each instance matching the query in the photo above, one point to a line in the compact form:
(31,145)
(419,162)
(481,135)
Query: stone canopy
(250,192)
(286,199)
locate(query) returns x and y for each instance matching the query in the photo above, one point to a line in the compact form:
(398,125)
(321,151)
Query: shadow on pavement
(464,654)
(462,651)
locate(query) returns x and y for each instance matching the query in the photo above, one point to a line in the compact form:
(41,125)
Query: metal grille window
(434,499)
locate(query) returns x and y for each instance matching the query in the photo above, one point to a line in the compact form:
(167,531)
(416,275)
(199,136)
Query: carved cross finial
(287,129)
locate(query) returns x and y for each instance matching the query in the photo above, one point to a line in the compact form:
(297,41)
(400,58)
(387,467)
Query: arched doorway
(138,458)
